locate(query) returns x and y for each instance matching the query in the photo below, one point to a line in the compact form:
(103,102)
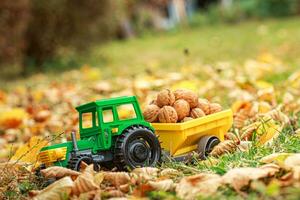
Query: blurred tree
(73,23)
(14,18)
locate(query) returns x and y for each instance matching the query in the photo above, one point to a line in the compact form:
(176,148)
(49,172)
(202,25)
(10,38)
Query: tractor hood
(58,154)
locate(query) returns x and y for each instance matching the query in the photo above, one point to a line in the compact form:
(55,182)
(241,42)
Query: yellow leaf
(238,105)
(90,73)
(277,158)
(191,85)
(12,118)
(28,152)
(267,131)
(262,84)
(297,132)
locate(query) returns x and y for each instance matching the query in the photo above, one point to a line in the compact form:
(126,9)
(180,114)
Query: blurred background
(41,36)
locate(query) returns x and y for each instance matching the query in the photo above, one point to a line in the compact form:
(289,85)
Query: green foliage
(244,9)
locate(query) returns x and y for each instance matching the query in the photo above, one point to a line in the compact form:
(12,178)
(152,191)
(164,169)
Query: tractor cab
(107,116)
(112,132)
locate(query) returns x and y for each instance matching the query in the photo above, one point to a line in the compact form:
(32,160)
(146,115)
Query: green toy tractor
(113,132)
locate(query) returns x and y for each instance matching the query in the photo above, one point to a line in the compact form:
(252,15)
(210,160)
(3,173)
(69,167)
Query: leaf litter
(34,115)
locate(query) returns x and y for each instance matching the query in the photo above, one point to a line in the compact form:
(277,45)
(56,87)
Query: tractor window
(87,120)
(107,116)
(126,111)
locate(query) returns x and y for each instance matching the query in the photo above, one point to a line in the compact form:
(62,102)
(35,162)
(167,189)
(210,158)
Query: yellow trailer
(199,135)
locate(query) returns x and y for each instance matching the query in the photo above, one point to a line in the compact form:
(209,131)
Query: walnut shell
(214,107)
(165,98)
(203,104)
(167,114)
(187,119)
(188,95)
(151,113)
(182,108)
(197,113)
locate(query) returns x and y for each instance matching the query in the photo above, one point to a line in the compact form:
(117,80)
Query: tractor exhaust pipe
(74,141)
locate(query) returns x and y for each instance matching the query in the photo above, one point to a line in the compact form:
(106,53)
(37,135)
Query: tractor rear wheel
(206,145)
(136,147)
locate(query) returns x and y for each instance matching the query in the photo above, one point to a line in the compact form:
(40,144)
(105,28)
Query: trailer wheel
(136,147)
(206,145)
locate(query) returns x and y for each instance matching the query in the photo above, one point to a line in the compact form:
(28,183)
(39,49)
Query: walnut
(165,98)
(214,107)
(151,113)
(197,113)
(182,108)
(167,114)
(187,119)
(203,104)
(187,95)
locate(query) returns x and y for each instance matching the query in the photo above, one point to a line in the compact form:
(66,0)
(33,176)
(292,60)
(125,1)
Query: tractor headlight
(52,155)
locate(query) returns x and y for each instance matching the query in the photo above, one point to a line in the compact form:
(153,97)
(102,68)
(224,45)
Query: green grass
(206,44)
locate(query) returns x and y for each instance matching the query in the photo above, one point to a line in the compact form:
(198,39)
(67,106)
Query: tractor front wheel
(75,162)
(136,147)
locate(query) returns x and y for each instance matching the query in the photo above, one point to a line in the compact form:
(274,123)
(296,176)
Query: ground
(247,66)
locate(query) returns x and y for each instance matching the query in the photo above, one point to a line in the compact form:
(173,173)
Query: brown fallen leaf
(117,178)
(146,173)
(277,158)
(169,172)
(85,182)
(60,189)
(91,195)
(58,172)
(293,163)
(278,116)
(241,177)
(191,187)
(240,119)
(227,146)
(162,185)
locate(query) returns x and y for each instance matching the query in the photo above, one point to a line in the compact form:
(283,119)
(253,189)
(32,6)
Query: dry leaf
(12,118)
(267,131)
(169,172)
(29,152)
(227,146)
(85,181)
(117,178)
(239,119)
(98,178)
(278,116)
(240,177)
(293,163)
(277,158)
(58,172)
(146,173)
(60,189)
(162,185)
(244,145)
(191,187)
(92,195)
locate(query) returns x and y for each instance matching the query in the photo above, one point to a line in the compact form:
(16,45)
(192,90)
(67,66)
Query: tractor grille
(49,156)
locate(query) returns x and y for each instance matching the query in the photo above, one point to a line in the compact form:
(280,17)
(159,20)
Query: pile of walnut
(179,106)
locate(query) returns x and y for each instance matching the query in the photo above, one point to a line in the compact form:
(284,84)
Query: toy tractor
(108,137)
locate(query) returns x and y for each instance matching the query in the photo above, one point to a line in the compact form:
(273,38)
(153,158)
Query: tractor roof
(107,102)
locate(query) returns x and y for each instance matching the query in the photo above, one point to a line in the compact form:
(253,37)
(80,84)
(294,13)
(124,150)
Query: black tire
(136,147)
(206,145)
(74,162)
